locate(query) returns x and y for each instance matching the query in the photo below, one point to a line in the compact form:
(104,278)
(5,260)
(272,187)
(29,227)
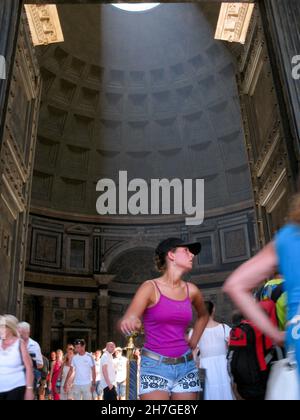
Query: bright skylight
(136,7)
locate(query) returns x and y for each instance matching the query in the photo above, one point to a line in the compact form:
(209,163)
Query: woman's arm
(69,375)
(202,315)
(51,375)
(61,371)
(241,283)
(29,394)
(132,318)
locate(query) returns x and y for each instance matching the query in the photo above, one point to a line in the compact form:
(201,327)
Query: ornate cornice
(44,24)
(134,220)
(234,22)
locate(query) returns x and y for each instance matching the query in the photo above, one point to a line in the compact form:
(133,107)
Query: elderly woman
(16,374)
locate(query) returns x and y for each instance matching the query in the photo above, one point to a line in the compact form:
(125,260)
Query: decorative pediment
(78,230)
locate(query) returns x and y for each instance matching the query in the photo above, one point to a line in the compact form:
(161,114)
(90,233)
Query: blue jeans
(98,390)
(158,376)
(121,389)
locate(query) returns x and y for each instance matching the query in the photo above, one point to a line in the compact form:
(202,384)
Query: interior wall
(16,166)
(10,12)
(272,162)
(76,299)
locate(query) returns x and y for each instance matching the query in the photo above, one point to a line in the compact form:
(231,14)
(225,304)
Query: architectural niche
(44,24)
(234,21)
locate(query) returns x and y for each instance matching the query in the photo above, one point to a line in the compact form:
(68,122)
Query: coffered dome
(152,93)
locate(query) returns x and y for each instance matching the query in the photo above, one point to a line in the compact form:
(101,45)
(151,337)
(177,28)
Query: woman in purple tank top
(164,306)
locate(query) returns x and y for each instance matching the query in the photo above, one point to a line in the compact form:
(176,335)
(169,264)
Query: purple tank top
(165,325)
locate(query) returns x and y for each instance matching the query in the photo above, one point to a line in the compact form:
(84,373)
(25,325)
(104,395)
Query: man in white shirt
(34,351)
(85,373)
(33,347)
(120,363)
(108,373)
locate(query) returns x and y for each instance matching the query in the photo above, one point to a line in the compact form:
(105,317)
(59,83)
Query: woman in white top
(16,372)
(213,351)
(66,387)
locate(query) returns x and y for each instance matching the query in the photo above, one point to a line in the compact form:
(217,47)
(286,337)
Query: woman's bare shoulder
(194,289)
(193,286)
(151,284)
(147,286)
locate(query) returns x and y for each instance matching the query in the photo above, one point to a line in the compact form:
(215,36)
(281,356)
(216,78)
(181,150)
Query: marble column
(103,280)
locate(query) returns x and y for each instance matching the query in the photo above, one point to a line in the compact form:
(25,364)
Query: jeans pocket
(147,363)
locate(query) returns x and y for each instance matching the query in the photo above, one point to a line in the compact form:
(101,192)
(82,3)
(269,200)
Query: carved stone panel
(46,249)
(235,244)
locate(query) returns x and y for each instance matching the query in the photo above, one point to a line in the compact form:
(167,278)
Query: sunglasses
(77,342)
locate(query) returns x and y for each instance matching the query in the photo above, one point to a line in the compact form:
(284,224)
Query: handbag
(283,383)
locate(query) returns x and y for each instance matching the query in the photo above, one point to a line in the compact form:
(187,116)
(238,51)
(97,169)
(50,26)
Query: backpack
(250,355)
(274,290)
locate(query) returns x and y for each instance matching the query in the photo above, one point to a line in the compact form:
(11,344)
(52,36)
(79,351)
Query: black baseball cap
(79,341)
(167,245)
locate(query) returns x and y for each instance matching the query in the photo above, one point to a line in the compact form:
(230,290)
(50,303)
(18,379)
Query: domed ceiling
(151,93)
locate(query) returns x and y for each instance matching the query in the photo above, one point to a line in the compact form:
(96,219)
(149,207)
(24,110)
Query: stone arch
(134,266)
(125,247)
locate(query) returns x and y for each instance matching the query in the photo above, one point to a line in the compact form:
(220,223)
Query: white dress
(213,352)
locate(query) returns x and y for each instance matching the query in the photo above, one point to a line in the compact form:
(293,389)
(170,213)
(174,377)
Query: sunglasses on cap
(80,342)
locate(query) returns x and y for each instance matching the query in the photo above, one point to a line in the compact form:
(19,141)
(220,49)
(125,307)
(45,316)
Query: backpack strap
(277,292)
